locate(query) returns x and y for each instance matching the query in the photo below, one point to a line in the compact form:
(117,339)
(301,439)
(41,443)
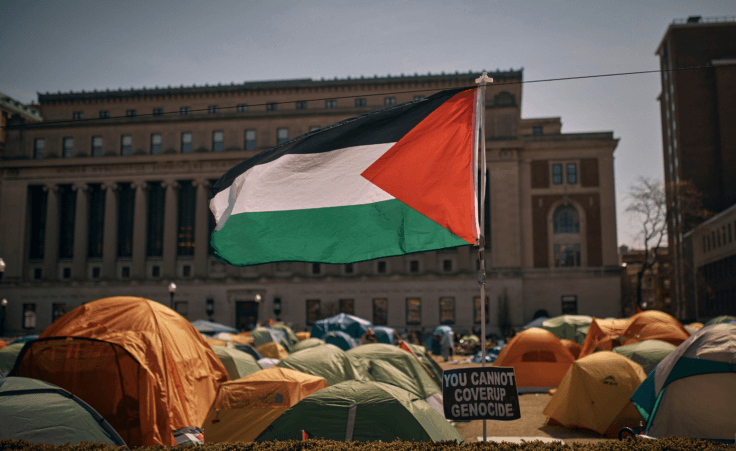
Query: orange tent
(572,346)
(138,363)
(696,326)
(3,344)
(539,359)
(303,335)
(245,407)
(594,394)
(214,341)
(273,350)
(606,334)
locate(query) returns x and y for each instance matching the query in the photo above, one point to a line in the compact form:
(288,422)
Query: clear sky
(73,45)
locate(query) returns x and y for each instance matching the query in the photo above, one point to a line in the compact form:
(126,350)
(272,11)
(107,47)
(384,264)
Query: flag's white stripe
(304,181)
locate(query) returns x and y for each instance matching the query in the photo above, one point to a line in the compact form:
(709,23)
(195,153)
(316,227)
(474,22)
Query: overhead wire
(512,82)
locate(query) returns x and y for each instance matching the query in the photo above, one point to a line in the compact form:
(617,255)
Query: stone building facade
(109,197)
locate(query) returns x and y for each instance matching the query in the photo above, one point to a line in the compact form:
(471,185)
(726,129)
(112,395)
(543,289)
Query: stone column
(81,226)
(51,236)
(140,223)
(110,237)
(171,223)
(201,228)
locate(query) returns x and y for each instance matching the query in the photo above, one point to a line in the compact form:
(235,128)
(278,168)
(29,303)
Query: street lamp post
(2,268)
(172,290)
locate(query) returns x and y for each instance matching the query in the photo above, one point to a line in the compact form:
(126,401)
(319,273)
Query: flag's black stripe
(377,127)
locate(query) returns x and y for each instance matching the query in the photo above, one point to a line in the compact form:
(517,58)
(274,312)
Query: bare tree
(648,205)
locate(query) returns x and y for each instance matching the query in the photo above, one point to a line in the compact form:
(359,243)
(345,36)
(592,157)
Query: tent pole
(480,117)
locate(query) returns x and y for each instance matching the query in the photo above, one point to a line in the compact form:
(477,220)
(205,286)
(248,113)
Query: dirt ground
(531,424)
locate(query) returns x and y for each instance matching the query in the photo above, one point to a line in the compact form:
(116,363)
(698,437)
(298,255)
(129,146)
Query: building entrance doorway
(246,315)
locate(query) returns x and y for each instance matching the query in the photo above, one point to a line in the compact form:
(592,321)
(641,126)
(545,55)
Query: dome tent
(326,361)
(594,394)
(362,411)
(8,356)
(692,392)
(647,353)
(237,363)
(539,359)
(567,327)
(353,326)
(340,339)
(245,407)
(43,413)
(211,328)
(306,344)
(160,375)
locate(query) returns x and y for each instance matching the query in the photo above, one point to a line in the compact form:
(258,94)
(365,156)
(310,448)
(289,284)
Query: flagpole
(481,123)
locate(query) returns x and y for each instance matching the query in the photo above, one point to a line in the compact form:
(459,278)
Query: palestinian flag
(390,182)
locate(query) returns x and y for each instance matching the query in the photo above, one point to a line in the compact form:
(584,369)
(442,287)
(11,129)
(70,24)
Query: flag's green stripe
(329,235)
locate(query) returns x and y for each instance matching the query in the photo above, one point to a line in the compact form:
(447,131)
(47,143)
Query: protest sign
(487,393)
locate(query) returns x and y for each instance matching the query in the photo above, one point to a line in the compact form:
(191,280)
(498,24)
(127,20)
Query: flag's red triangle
(430,169)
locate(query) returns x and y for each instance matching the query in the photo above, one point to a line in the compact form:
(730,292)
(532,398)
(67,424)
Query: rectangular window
(414,266)
(213,109)
(381,267)
(37,198)
(37,273)
(313,311)
(447,265)
(413,311)
(68,148)
(182,308)
(347,306)
(567,255)
(125,272)
(158,111)
(126,207)
(77,115)
(96,146)
(57,311)
(67,209)
(218,141)
(572,173)
(282,135)
(316,268)
(104,114)
(186,271)
(271,106)
(557,174)
(156,203)
(416,98)
(570,304)
(330,104)
(95,221)
(447,310)
(242,108)
(360,103)
(185,110)
(126,145)
(187,202)
(388,101)
(186,142)
(250,140)
(301,105)
(476,310)
(29,316)
(39,144)
(96,271)
(130,113)
(155,271)
(536,130)
(349,268)
(380,311)
(156,143)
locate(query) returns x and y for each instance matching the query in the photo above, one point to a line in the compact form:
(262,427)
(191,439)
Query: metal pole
(481,247)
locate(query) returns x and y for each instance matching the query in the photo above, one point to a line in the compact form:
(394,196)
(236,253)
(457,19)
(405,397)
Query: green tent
(237,363)
(265,335)
(43,413)
(428,361)
(719,320)
(385,363)
(288,330)
(327,361)
(8,356)
(306,344)
(362,411)
(647,353)
(567,327)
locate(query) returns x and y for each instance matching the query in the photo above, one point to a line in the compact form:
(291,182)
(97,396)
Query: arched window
(566,237)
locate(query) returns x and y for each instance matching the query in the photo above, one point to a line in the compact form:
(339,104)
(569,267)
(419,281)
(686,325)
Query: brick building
(110,195)
(698,110)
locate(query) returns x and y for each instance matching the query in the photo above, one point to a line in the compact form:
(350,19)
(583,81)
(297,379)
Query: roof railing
(701,20)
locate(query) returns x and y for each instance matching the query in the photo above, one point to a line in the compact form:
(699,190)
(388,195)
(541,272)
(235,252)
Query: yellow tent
(245,407)
(303,335)
(273,350)
(594,394)
(213,341)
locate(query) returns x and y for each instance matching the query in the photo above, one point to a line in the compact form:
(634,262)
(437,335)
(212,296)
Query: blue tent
(210,328)
(341,340)
(352,325)
(536,323)
(25,339)
(442,330)
(384,334)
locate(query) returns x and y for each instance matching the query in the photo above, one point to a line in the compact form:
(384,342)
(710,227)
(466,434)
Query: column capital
(110,186)
(140,184)
(51,187)
(204,183)
(173,184)
(80,186)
